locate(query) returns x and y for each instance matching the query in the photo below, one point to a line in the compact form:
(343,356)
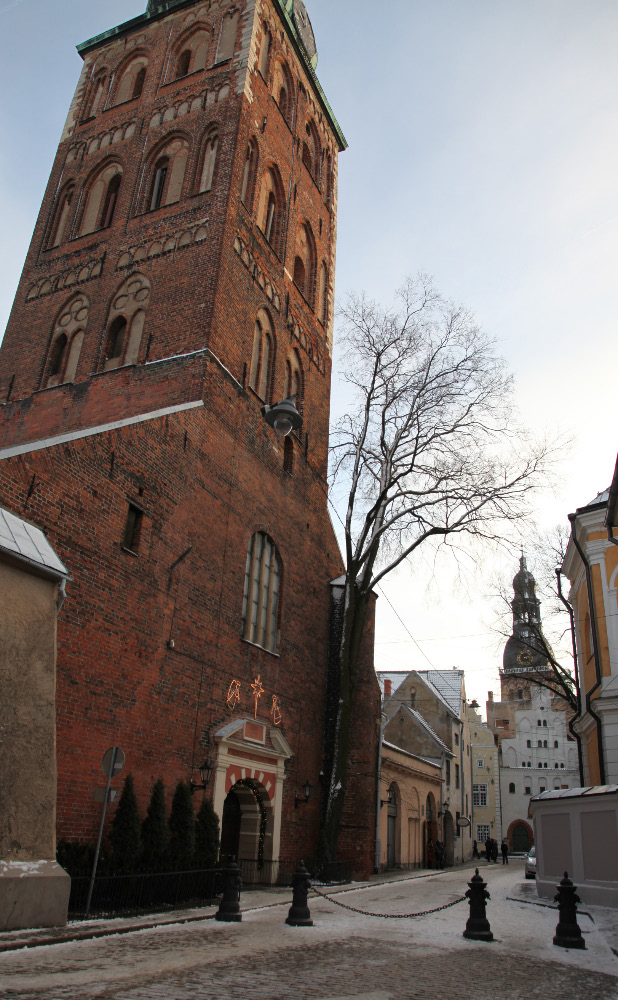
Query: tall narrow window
(265,52)
(133,529)
(208,162)
(115,342)
(261,593)
(56,358)
(249,172)
(270,209)
(184,61)
(62,217)
(158,183)
(138,86)
(260,375)
(227,38)
(283,91)
(97,94)
(300,275)
(109,205)
(294,380)
(125,323)
(130,81)
(101,199)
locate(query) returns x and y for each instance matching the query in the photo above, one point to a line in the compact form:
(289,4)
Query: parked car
(530,866)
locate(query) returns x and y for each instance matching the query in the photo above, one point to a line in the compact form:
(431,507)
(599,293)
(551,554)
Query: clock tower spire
(527,649)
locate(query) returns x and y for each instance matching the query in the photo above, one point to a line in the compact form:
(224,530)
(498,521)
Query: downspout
(574,734)
(595,644)
(376,864)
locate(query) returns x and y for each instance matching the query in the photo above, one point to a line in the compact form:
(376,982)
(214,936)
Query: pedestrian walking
(439,854)
(505,852)
(475,850)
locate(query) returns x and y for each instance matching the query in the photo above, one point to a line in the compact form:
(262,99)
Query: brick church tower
(180,277)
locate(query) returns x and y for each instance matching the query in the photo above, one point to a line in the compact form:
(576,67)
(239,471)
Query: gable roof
(448,685)
(420,721)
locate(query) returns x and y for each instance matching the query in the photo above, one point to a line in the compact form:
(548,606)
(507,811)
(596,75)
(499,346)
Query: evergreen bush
(125,835)
(182,829)
(155,832)
(206,835)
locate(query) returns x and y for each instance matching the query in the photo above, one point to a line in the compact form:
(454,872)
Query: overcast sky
(483,150)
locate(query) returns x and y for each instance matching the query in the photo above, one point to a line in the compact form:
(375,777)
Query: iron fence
(129,895)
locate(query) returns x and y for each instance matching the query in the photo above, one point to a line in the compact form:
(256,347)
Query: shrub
(125,835)
(155,832)
(182,829)
(206,835)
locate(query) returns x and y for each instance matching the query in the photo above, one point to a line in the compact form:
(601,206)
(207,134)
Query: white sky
(484,151)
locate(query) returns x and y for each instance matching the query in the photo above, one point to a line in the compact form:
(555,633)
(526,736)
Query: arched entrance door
(520,837)
(245,823)
(449,839)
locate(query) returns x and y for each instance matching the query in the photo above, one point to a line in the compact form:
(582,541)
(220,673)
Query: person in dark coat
(494,853)
(475,849)
(439,854)
(505,853)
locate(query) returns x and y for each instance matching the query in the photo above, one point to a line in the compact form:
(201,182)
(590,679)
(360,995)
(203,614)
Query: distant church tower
(181,276)
(525,652)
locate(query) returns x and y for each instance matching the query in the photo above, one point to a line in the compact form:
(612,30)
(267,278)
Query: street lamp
(283,417)
(307,790)
(205,773)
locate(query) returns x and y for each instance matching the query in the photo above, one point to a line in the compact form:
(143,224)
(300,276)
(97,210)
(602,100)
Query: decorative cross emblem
(258,691)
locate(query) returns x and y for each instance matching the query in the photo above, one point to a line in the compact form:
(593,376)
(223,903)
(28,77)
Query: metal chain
(387,916)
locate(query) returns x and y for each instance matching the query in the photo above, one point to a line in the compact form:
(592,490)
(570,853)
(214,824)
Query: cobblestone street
(345,955)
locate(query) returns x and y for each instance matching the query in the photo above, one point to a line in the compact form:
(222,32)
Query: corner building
(179,277)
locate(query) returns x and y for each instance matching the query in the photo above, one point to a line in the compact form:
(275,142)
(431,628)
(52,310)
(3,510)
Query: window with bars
(261,597)
(479,795)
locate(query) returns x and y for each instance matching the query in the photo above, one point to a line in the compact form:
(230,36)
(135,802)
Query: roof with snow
(448,684)
(28,544)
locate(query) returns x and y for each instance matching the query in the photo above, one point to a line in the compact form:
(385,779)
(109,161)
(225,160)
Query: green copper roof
(292,13)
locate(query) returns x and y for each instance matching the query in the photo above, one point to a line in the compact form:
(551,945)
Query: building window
(283,91)
(265,52)
(555,744)
(541,789)
(62,217)
(562,765)
(480,762)
(67,340)
(545,722)
(271,208)
(294,380)
(133,529)
(529,744)
(209,159)
(545,744)
(456,738)
(227,38)
(538,722)
(167,178)
(512,788)
(456,775)
(125,328)
(447,764)
(479,795)
(540,743)
(545,764)
(101,199)
(528,790)
(131,80)
(483,832)
(191,54)
(261,596)
(249,174)
(262,359)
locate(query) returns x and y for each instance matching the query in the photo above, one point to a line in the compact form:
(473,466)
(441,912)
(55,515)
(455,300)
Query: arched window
(262,359)
(96,96)
(528,743)
(294,380)
(545,743)
(545,722)
(305,262)
(190,53)
(539,743)
(312,153)
(271,208)
(265,51)
(323,295)
(130,81)
(261,594)
(249,174)
(167,174)
(101,199)
(209,159)
(62,216)
(283,91)
(227,38)
(66,342)
(125,323)
(555,744)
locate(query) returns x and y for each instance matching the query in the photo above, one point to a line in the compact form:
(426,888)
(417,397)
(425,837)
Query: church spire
(526,648)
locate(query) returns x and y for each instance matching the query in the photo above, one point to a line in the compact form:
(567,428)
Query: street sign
(462,822)
(107,762)
(99,795)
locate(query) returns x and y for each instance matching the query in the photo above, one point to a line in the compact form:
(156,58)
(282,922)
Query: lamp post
(307,790)
(283,417)
(205,773)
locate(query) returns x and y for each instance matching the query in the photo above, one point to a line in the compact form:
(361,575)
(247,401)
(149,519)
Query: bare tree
(430,448)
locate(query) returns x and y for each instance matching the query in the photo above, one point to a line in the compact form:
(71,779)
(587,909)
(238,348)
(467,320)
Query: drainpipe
(376,865)
(574,734)
(595,645)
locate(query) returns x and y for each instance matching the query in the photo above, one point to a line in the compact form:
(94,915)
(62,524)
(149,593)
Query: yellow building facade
(591,566)
(410,796)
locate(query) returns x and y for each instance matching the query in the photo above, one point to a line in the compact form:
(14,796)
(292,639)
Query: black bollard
(229,907)
(299,915)
(568,933)
(477,927)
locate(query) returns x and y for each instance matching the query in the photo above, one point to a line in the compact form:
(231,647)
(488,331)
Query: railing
(128,895)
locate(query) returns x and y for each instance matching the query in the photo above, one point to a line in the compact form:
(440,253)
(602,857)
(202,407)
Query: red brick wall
(207,477)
